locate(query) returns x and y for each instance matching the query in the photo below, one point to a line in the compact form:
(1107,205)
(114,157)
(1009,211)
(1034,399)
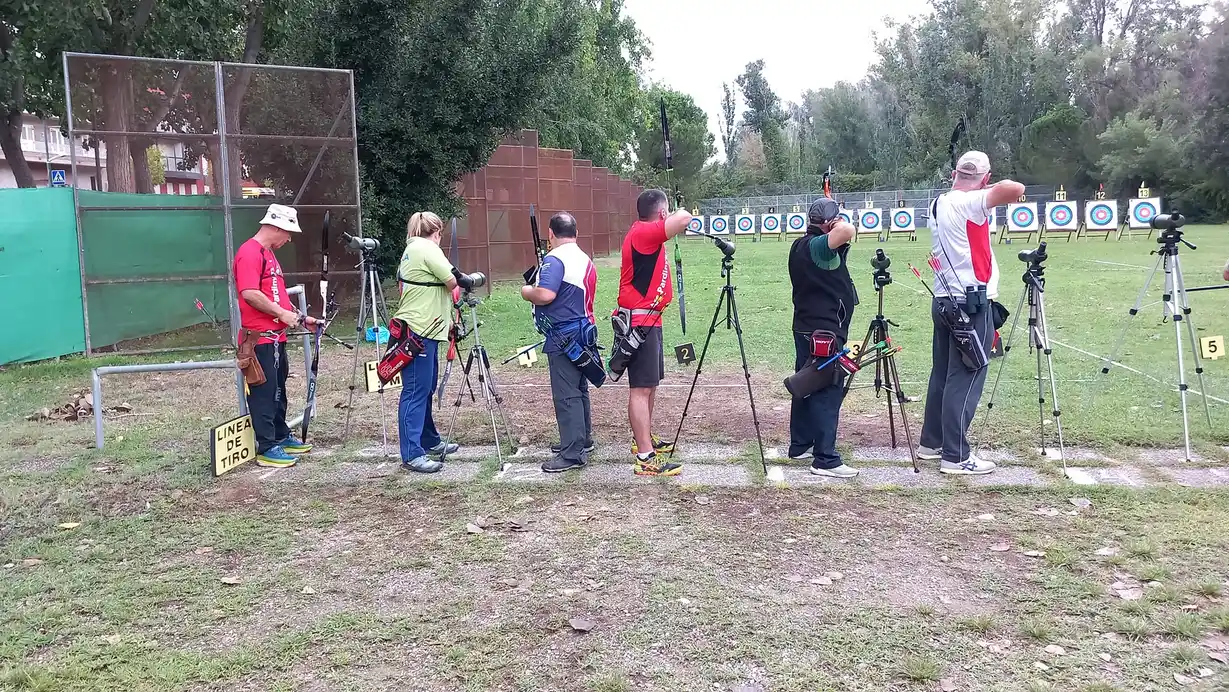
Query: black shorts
(647,366)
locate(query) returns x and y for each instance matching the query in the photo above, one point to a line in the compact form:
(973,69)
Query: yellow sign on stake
(232,444)
(1212,347)
(373,379)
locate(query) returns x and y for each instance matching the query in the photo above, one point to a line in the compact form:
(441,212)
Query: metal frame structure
(226,139)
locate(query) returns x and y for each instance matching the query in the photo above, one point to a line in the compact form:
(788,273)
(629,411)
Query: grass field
(131,568)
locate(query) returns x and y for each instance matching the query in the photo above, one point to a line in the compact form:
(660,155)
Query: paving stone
(726,475)
(899,454)
(1126,476)
(869,477)
(1011,475)
(1198,477)
(1072,454)
(362,471)
(1169,456)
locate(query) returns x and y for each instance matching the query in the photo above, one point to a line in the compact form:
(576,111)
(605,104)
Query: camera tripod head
(880,263)
(1170,227)
(1034,273)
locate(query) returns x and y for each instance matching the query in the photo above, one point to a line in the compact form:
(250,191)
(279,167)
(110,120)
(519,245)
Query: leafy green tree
(725,121)
(439,84)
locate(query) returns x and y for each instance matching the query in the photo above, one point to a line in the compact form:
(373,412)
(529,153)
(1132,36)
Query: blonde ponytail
(423,224)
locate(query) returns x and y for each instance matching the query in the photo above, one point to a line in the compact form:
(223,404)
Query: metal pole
(148,367)
(47,151)
(357,186)
(228,228)
(72,153)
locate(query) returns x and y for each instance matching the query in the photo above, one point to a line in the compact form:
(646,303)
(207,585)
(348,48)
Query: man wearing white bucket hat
(266,313)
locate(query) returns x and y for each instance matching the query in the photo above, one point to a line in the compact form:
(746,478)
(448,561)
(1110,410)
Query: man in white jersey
(965,283)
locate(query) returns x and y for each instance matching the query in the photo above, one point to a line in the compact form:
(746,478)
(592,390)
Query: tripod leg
(742,351)
(1182,302)
(1035,340)
(1055,410)
(456,405)
(994,389)
(712,328)
(870,333)
(1171,306)
(1139,301)
(881,335)
(362,318)
(894,389)
(493,400)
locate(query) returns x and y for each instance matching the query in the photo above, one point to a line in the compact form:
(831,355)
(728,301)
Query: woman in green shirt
(425,277)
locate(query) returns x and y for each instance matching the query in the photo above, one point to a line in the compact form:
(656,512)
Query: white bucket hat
(283,217)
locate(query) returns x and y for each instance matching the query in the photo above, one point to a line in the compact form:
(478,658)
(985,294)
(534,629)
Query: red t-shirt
(644,281)
(257,268)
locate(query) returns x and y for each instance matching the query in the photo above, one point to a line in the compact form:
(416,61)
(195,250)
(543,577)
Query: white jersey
(960,227)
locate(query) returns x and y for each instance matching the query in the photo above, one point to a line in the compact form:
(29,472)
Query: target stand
(1061,217)
(1141,211)
(1021,220)
(903,222)
(1100,217)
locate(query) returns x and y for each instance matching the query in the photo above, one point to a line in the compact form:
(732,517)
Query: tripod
(479,363)
(730,321)
(1039,341)
(887,377)
(371,305)
(1176,305)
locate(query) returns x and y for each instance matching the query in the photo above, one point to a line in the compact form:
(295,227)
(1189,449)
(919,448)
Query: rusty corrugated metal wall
(495,236)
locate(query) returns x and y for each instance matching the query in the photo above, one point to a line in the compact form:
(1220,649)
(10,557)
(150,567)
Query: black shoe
(557,448)
(559,465)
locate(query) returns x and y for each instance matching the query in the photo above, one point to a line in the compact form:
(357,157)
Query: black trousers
(267,402)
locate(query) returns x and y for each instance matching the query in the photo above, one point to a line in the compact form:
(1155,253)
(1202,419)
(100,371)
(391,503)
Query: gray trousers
(954,391)
(570,391)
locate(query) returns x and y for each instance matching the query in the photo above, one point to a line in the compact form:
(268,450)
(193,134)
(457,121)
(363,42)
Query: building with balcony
(47,149)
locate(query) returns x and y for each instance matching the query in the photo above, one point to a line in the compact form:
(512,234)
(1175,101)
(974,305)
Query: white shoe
(969,467)
(803,455)
(928,453)
(841,471)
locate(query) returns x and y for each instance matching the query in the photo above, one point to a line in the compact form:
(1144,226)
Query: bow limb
(454,256)
(327,304)
(678,196)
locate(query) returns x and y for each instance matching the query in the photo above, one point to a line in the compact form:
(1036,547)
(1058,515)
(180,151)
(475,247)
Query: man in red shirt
(645,290)
(266,310)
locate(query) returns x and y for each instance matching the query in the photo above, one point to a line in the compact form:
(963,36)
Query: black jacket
(824,295)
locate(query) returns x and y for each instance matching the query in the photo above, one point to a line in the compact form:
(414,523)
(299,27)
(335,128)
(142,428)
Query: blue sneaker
(444,447)
(276,458)
(293,445)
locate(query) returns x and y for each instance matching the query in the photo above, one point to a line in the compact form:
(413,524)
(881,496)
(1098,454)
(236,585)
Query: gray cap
(822,211)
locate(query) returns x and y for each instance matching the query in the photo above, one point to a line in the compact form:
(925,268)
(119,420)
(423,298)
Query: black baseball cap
(822,211)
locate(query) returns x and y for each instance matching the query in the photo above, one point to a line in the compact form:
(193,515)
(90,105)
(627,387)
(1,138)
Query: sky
(698,44)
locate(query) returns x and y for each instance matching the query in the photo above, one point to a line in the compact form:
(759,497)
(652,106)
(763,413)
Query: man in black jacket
(824,300)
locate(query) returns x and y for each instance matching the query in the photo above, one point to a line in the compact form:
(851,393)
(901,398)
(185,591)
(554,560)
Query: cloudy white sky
(805,44)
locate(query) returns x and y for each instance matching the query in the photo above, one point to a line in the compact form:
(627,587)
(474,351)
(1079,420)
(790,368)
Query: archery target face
(771,223)
(695,225)
(902,219)
(744,225)
(718,225)
(1022,217)
(869,219)
(1060,215)
(846,217)
(1143,211)
(1101,215)
(797,223)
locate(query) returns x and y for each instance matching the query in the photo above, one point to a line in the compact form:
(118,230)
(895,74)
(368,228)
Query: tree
(764,116)
(725,121)
(594,102)
(123,96)
(439,84)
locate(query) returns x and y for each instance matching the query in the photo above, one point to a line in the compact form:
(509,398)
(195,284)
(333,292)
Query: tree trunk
(116,116)
(142,177)
(10,135)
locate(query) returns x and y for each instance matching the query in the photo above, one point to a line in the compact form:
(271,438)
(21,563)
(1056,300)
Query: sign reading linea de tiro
(232,444)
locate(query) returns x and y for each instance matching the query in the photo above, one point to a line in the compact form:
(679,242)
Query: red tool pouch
(824,344)
(403,347)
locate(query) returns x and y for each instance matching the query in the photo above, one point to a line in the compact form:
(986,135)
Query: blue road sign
(58,179)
